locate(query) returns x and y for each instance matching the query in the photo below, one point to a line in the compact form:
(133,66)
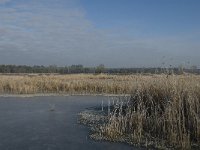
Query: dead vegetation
(162,112)
(67,84)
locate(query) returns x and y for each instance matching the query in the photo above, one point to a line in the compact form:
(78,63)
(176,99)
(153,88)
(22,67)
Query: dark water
(28,124)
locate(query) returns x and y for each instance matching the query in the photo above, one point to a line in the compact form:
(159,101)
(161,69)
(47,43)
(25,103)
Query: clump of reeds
(161,112)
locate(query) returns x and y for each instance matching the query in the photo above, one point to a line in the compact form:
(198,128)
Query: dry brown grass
(163,111)
(68,84)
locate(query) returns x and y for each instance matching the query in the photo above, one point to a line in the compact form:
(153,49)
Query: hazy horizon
(116,33)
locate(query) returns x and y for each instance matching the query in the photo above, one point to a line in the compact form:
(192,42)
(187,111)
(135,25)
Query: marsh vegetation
(67,84)
(161,111)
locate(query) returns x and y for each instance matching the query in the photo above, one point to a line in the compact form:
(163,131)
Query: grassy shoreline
(70,84)
(80,83)
(61,94)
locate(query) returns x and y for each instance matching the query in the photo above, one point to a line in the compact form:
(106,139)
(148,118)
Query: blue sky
(117,33)
(149,17)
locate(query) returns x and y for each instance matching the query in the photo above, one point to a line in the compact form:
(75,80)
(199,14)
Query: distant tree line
(75,69)
(51,69)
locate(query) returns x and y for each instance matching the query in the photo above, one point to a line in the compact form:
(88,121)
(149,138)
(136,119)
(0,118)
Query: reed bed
(67,84)
(162,112)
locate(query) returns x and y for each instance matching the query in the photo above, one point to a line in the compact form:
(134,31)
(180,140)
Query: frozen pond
(29,124)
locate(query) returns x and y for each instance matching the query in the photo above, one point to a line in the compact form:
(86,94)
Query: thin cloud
(4,1)
(34,33)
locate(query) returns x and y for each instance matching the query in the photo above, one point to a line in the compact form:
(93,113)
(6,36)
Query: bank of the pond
(61,94)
